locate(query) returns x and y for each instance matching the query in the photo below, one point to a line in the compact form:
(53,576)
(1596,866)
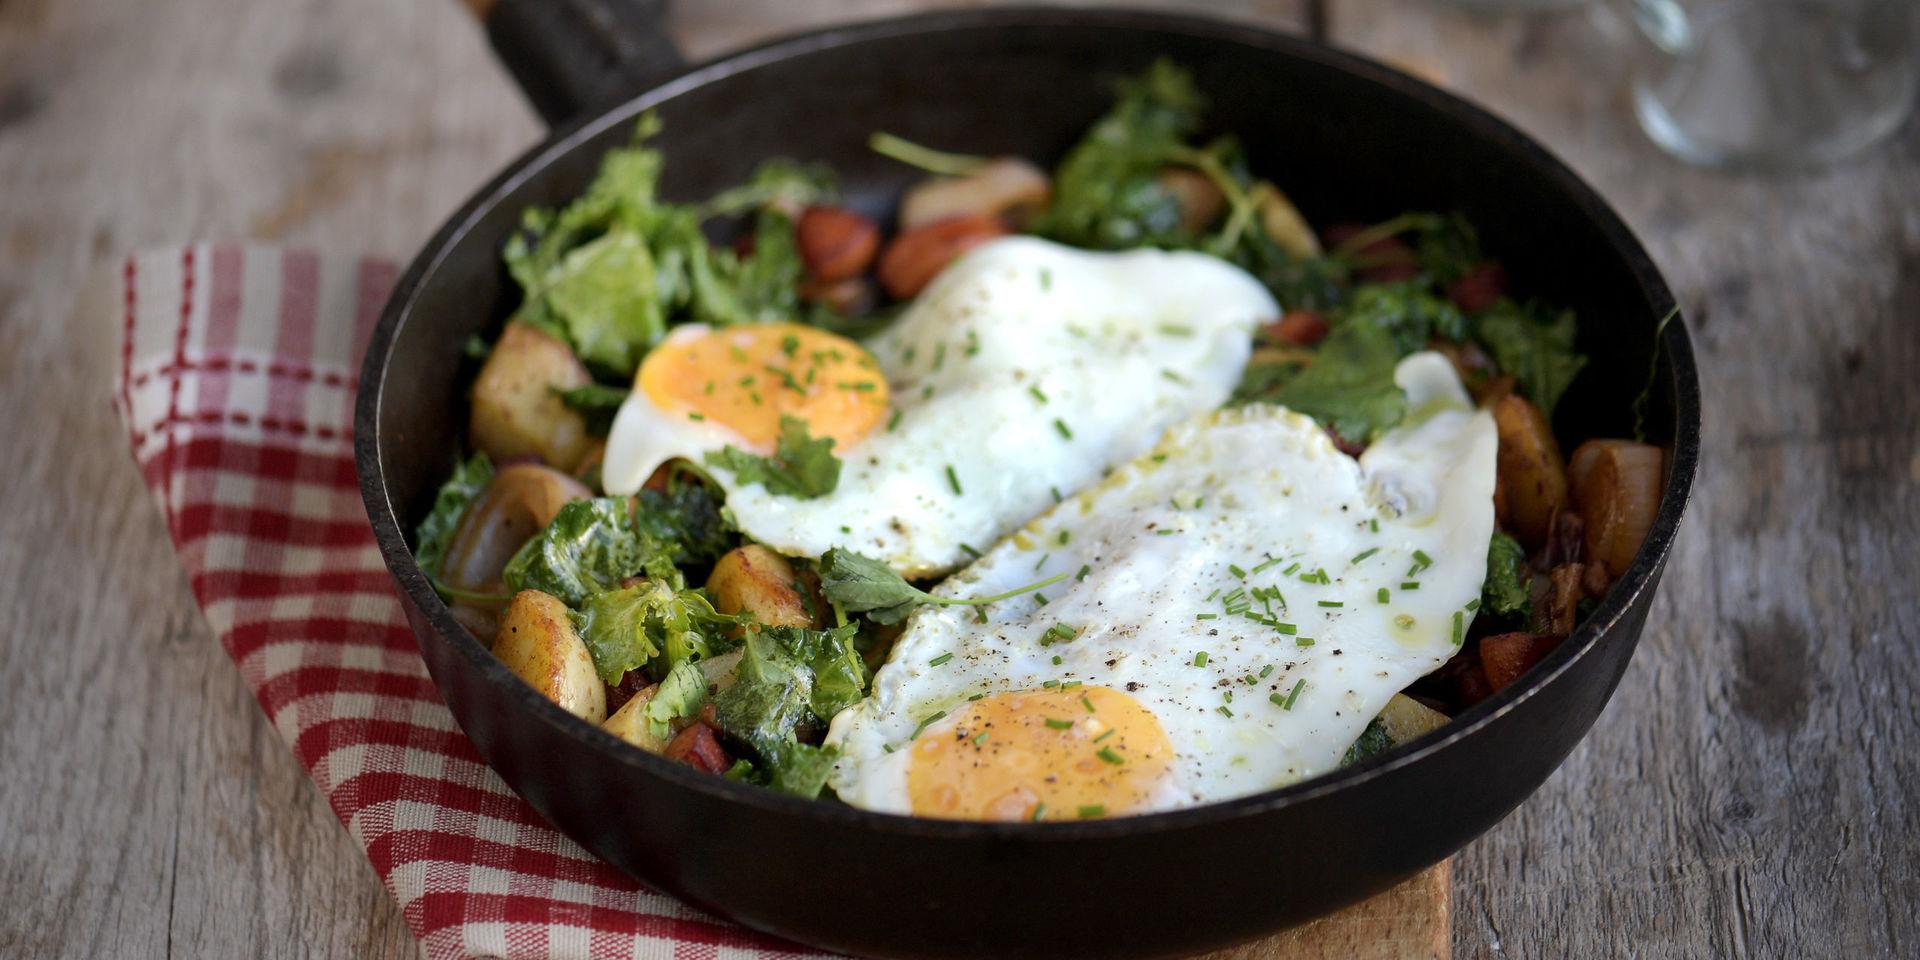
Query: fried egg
(1238,604)
(1024,371)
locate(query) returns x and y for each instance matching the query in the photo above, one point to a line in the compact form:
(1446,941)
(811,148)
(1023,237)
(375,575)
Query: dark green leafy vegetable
(1448,248)
(680,695)
(777,184)
(1349,387)
(1508,580)
(1372,742)
(590,546)
(650,624)
(861,584)
(1409,312)
(1106,193)
(1535,348)
(789,676)
(597,403)
(688,518)
(460,490)
(801,466)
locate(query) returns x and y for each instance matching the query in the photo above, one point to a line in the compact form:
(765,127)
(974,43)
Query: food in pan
(1087,493)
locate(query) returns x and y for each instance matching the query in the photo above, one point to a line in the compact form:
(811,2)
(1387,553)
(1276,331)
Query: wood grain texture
(1749,790)
(1742,795)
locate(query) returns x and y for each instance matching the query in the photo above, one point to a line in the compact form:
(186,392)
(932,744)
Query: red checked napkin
(237,374)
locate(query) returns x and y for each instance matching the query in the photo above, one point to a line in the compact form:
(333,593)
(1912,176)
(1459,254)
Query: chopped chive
(1473,604)
(1056,493)
(709,390)
(973,342)
(1420,562)
(1060,427)
(1082,575)
(1332,603)
(1159,458)
(1110,732)
(1206,616)
(1228,696)
(1037,564)
(939,356)
(1200,659)
(1382,595)
(1373,525)
(929,721)
(1224,711)
(1303,641)
(1410,585)
(894,420)
(970,551)
(1046,279)
(926,392)
(1050,684)
(789,345)
(1288,572)
(1165,532)
(1459,628)
(982,738)
(1286,629)
(1174,377)
(1038,394)
(1298,685)
(1210,596)
(1040,597)
(696,416)
(1093,810)
(939,660)
(1264,564)
(977,696)
(1062,538)
(1038,810)
(1266,671)
(1236,571)
(1403,621)
(1086,703)
(953,480)
(1107,754)
(1249,680)
(1054,723)
(888,747)
(1175,329)
(1069,684)
(1362,555)
(1056,660)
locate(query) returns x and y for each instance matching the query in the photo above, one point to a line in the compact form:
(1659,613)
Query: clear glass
(1774,83)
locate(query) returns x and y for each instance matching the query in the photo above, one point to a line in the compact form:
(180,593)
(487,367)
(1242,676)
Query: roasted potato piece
(1534,476)
(538,643)
(515,411)
(1282,222)
(1566,587)
(1617,485)
(1201,202)
(1406,719)
(519,503)
(754,580)
(629,723)
(1007,188)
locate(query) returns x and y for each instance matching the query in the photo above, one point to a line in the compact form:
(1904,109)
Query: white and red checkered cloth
(237,375)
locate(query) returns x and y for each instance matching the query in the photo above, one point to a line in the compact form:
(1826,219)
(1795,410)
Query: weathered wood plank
(1746,792)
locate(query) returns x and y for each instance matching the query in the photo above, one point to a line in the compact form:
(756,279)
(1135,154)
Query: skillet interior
(1348,140)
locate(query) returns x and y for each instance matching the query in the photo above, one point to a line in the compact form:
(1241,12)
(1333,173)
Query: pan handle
(568,55)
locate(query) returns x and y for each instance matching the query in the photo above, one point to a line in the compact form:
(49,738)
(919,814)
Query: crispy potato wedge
(1531,470)
(520,502)
(1407,719)
(629,723)
(754,580)
(538,643)
(515,411)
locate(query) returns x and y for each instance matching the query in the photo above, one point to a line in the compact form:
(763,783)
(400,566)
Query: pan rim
(1641,575)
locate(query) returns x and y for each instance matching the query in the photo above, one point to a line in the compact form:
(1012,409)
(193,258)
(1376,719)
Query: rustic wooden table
(1748,792)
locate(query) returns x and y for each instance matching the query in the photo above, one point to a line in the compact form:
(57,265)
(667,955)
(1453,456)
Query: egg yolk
(747,378)
(1040,755)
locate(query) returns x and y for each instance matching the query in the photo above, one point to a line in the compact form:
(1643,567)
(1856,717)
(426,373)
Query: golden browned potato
(1531,471)
(629,723)
(1282,221)
(1406,719)
(538,643)
(1617,485)
(520,502)
(1008,187)
(754,580)
(515,411)
(1200,199)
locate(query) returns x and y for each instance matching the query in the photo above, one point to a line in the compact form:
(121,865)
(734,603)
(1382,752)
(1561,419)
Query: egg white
(1025,370)
(1231,500)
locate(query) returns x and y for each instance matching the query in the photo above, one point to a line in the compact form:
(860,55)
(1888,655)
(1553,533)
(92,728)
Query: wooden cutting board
(1412,921)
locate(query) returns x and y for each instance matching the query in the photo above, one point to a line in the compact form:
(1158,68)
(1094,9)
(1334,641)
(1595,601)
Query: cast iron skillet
(1348,139)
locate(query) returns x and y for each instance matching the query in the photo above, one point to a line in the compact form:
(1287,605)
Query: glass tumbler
(1774,83)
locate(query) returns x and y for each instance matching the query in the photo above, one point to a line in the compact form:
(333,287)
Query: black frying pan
(1348,139)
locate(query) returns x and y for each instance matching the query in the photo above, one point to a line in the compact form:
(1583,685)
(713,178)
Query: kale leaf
(688,518)
(1536,349)
(789,676)
(1106,192)
(680,695)
(860,584)
(449,505)
(1409,312)
(590,546)
(1349,387)
(597,403)
(652,624)
(1374,740)
(801,466)
(1507,590)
